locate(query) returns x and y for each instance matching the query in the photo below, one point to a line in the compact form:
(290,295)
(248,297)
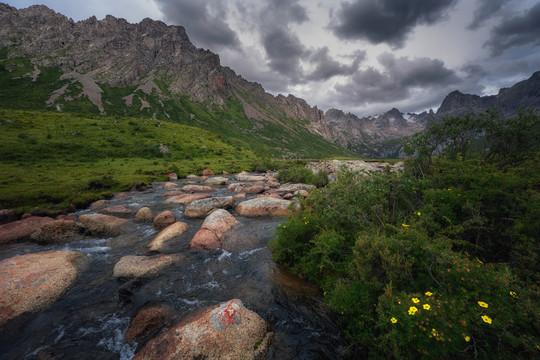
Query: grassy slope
(49,159)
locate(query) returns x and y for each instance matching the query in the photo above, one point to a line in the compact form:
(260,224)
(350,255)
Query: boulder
(103,225)
(213,230)
(99,204)
(172,193)
(218,180)
(163,220)
(197,188)
(264,206)
(169,185)
(295,187)
(67,217)
(201,208)
(192,176)
(207,172)
(245,176)
(167,234)
(240,196)
(184,199)
(144,215)
(57,231)
(118,211)
(32,282)
(21,229)
(270,195)
(172,176)
(149,322)
(133,266)
(225,331)
(7,216)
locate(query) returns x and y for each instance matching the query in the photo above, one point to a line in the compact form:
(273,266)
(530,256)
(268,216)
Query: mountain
(508,101)
(376,135)
(146,70)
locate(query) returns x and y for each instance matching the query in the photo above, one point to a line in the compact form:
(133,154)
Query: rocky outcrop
(166,235)
(31,282)
(58,231)
(164,219)
(21,229)
(201,208)
(103,225)
(213,230)
(264,206)
(225,331)
(133,266)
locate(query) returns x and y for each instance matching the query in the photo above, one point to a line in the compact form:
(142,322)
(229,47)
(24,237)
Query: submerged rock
(21,229)
(103,225)
(166,235)
(57,231)
(203,207)
(264,206)
(132,266)
(225,331)
(213,230)
(31,282)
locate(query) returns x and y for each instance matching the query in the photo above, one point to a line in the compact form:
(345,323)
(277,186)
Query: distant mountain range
(152,70)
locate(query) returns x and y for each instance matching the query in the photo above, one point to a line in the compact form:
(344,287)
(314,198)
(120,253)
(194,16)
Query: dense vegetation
(440,261)
(51,161)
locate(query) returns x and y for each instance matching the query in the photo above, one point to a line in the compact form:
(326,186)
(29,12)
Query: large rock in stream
(58,231)
(213,230)
(31,282)
(264,206)
(225,331)
(185,199)
(166,235)
(133,266)
(21,229)
(202,208)
(103,225)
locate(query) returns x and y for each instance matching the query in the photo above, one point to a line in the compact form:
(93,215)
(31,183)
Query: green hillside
(50,160)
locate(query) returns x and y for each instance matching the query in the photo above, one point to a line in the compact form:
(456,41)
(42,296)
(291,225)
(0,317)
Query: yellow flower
(486,319)
(467,338)
(419,213)
(426,306)
(513,294)
(429,293)
(393,320)
(405,225)
(412,310)
(483,304)
(415,300)
(479,261)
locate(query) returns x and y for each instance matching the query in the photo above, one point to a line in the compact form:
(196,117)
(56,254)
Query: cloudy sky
(361,56)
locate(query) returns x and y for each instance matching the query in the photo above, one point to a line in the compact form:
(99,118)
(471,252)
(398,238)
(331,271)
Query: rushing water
(90,321)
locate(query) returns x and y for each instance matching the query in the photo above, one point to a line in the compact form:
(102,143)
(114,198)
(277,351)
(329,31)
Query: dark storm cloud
(205,21)
(486,9)
(284,51)
(397,80)
(386,21)
(326,67)
(515,31)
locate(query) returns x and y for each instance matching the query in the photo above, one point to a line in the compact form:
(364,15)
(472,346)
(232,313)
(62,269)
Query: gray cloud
(515,31)
(386,21)
(326,67)
(205,21)
(284,51)
(486,10)
(397,81)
